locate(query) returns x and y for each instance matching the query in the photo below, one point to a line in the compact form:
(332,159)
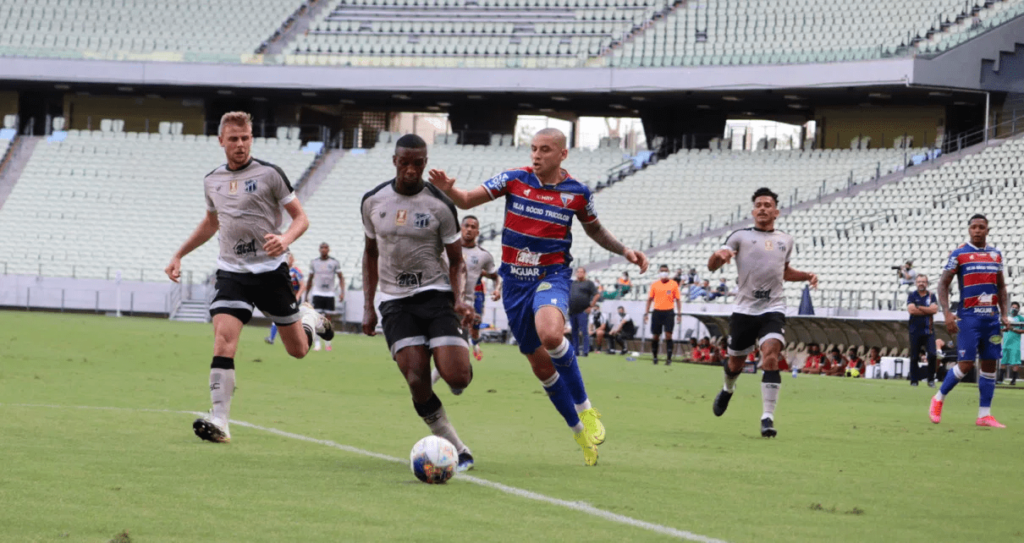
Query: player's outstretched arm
(789,274)
(944,280)
(276,245)
(463,199)
(606,240)
(206,229)
(370,279)
(720,258)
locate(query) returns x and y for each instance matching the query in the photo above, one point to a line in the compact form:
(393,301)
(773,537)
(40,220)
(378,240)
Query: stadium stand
(98,202)
(471,33)
(734,32)
(696,190)
(185,30)
(334,208)
(629,33)
(853,242)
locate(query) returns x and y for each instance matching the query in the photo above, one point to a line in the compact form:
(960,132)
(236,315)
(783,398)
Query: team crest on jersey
(567,199)
(233,187)
(421,220)
(401,216)
(996,339)
(526,192)
(543,286)
(767,245)
(250,186)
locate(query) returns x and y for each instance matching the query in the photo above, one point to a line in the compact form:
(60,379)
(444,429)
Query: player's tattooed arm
(370,279)
(606,240)
(944,280)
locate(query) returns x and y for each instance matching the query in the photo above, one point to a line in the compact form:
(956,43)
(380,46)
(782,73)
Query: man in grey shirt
(408,224)
(758,320)
(582,298)
(243,202)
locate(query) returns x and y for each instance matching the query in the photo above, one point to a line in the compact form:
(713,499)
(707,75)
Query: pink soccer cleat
(989,421)
(935,411)
(328,348)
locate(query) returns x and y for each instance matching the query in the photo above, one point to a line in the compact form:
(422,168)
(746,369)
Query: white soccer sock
(222,388)
(730,382)
(769,397)
(327,343)
(581,407)
(440,427)
(984,412)
(316,341)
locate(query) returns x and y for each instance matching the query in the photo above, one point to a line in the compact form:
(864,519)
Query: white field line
(575,506)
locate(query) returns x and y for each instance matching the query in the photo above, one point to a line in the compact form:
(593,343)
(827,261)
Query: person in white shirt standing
(320,285)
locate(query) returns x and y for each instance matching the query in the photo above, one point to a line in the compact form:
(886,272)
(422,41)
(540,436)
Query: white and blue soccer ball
(433,460)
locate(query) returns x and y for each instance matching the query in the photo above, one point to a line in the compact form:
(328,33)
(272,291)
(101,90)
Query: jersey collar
(246,165)
(765,231)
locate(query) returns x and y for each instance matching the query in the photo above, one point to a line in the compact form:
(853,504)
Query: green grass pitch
(855,460)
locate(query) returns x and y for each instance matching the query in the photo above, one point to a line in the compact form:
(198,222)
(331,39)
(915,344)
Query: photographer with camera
(905,274)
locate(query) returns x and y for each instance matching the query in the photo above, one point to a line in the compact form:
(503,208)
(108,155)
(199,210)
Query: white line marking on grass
(575,506)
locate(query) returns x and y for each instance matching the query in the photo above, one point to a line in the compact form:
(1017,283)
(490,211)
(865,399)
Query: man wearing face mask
(922,306)
(663,293)
(1011,345)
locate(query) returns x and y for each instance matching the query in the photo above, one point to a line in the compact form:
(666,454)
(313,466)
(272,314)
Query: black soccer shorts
(236,294)
(427,318)
(323,304)
(744,331)
(662,320)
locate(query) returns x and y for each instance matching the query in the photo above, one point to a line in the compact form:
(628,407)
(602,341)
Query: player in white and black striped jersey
(762,259)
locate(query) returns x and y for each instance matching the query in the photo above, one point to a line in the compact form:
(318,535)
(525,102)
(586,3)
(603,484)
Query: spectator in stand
(854,363)
(583,297)
(623,331)
(624,285)
(694,349)
(679,277)
(783,363)
(946,354)
(722,290)
(908,276)
(721,353)
(813,363)
(697,291)
(692,278)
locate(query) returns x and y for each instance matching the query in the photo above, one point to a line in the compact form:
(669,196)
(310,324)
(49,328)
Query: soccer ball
(433,460)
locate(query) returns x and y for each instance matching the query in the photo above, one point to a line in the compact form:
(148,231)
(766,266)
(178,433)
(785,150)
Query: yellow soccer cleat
(589,449)
(591,420)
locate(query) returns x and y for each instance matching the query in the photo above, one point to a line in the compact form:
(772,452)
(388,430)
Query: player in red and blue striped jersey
(978,268)
(540,203)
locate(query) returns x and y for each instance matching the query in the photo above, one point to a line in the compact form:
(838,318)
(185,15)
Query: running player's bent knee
(770,361)
(299,350)
(551,339)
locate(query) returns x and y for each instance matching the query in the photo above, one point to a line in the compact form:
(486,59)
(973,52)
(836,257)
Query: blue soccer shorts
(979,338)
(478,307)
(524,298)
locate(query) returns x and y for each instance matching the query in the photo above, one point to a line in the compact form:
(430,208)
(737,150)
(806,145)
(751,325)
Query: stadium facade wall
(101,296)
(8,103)
(584,80)
(838,125)
(139,114)
(963,66)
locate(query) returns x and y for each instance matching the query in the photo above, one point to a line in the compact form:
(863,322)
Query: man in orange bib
(663,293)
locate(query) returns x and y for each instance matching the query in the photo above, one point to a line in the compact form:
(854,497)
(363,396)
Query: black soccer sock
(309,336)
(668,349)
(1002,374)
(654,346)
(1013,375)
(932,363)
